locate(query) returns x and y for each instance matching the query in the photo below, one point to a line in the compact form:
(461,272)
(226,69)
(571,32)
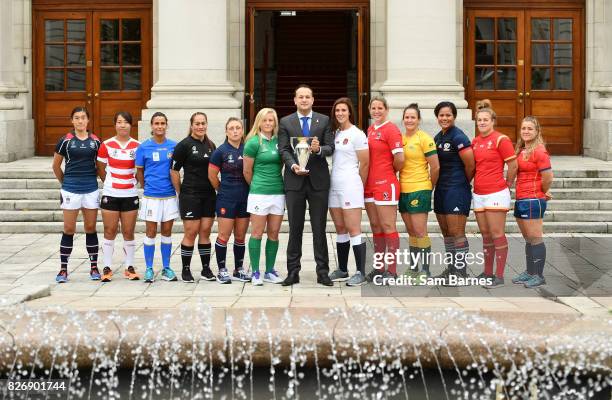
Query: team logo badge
(104,199)
(132,154)
(136,201)
(446,146)
(194,150)
(414,202)
(377,135)
(385,196)
(92,145)
(169,154)
(149,213)
(345,141)
(347,203)
(431,144)
(490,144)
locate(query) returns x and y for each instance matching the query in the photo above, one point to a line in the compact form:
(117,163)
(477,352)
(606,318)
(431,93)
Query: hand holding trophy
(301,149)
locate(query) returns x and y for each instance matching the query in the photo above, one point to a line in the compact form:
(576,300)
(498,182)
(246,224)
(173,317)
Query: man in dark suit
(312,185)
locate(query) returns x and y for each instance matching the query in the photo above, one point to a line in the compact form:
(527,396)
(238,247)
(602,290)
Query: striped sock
(92,244)
(239,249)
(220,252)
(204,251)
(186,254)
(65,250)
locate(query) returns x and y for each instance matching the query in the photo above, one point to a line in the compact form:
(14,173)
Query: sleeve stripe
(431,153)
(398,150)
(465,148)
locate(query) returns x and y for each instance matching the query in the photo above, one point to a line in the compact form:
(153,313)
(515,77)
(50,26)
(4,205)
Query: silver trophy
(301,149)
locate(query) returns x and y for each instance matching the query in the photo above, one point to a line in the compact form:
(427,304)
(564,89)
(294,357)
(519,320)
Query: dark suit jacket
(290,126)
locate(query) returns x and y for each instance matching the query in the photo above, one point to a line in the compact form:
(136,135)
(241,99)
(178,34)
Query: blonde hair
(381,99)
(530,147)
(485,106)
(258,121)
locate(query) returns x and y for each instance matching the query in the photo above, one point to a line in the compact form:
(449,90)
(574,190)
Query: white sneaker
(272,277)
(256,279)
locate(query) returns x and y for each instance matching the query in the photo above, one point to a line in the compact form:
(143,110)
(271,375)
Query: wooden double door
(94,58)
(529,62)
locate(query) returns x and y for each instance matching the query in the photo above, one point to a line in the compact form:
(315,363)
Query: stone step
(583,183)
(471,227)
(551,216)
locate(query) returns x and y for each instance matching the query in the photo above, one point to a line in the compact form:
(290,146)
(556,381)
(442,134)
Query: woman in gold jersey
(417,178)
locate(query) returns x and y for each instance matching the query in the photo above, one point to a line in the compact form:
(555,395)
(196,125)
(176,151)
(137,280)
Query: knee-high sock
(108,248)
(359,251)
(488,249)
(462,247)
(129,248)
(186,254)
(204,251)
(166,250)
(91,242)
(220,253)
(424,247)
(529,259)
(538,252)
(449,250)
(271,250)
(413,261)
(392,241)
(238,254)
(501,254)
(254,253)
(343,245)
(65,250)
(149,251)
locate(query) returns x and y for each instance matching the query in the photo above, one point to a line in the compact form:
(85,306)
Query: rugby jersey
(80,174)
(384,141)
(529,178)
(120,163)
(490,154)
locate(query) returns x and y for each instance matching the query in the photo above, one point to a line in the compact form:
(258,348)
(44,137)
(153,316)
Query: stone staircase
(29,201)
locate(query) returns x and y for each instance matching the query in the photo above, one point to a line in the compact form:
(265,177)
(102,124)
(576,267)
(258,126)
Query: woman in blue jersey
(453,194)
(232,194)
(158,205)
(79,149)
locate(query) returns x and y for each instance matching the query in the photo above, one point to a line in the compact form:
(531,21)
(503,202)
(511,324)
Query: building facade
(552,59)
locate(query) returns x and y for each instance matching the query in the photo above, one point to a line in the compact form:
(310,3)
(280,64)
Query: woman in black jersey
(197,196)
(79,191)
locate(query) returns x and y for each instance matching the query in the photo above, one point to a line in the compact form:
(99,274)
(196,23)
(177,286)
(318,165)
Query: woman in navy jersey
(453,193)
(533,183)
(232,194)
(197,196)
(79,150)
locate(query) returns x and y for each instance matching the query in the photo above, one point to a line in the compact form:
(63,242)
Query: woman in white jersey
(350,163)
(117,168)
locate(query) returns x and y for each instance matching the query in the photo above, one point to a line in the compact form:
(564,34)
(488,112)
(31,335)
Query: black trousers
(296,209)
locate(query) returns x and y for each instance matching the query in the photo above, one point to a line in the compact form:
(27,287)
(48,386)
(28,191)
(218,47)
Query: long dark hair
(125,115)
(334,122)
(209,142)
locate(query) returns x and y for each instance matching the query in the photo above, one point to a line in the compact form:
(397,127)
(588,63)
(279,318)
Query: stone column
(424,53)
(191,66)
(16,124)
(597,138)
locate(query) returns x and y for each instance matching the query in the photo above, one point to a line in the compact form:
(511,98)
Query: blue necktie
(305,127)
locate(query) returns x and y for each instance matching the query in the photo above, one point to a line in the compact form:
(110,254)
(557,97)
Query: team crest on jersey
(132,154)
(345,141)
(377,135)
(385,196)
(194,150)
(489,144)
(447,146)
(92,145)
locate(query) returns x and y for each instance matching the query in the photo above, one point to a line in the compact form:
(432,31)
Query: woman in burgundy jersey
(533,183)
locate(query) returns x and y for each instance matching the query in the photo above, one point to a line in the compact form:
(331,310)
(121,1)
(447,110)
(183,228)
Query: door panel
(496,54)
(97,59)
(64,77)
(528,62)
(553,80)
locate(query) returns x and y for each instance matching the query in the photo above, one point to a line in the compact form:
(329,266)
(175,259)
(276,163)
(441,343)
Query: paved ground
(578,272)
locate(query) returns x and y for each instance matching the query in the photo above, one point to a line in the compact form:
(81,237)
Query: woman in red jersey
(116,167)
(382,189)
(535,177)
(491,191)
